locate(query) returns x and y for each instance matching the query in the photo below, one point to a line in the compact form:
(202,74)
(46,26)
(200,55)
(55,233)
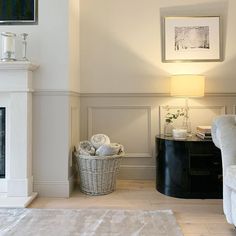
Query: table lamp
(187,86)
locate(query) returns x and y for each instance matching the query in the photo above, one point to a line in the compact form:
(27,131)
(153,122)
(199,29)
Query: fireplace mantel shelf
(16,76)
(18,65)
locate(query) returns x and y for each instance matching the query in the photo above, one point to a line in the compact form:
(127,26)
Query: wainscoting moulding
(149,95)
(74,130)
(58,92)
(143,172)
(234,109)
(55,92)
(133,171)
(149,134)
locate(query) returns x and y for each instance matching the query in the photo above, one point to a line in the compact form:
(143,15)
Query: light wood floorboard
(196,217)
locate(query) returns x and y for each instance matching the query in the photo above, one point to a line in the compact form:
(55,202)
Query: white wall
(121,45)
(120,52)
(125,85)
(74,66)
(53,44)
(48,44)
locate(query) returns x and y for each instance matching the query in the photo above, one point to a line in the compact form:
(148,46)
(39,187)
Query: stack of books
(204,132)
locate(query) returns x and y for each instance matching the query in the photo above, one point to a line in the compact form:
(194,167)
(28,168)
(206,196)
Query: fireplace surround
(16,97)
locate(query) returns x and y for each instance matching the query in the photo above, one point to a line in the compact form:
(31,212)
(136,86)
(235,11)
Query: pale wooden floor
(195,217)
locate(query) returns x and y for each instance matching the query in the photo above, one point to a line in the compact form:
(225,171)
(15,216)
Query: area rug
(87,222)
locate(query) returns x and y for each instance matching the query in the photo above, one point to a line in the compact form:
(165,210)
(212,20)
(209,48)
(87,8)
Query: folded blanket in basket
(98,140)
(109,149)
(86,148)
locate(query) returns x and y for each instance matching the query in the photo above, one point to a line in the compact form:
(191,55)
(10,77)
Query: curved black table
(190,168)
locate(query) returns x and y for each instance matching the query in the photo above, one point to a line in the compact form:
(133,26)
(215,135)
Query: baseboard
(53,188)
(132,172)
(64,188)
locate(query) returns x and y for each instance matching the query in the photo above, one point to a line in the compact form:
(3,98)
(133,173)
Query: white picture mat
(213,53)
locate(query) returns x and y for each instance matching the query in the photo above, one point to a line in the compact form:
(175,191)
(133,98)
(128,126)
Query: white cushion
(230,177)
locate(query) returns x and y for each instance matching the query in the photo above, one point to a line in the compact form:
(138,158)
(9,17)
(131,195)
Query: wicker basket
(98,174)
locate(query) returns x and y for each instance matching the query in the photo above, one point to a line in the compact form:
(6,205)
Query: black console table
(190,168)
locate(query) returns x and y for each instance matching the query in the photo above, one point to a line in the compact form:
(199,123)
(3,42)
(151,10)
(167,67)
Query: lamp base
(187,125)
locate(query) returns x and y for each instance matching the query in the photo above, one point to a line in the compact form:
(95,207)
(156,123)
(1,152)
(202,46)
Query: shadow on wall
(214,76)
(219,8)
(110,60)
(124,60)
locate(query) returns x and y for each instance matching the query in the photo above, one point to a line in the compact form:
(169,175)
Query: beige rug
(87,222)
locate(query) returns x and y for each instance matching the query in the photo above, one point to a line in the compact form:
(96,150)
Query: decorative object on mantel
(8,46)
(24,46)
(187,86)
(98,163)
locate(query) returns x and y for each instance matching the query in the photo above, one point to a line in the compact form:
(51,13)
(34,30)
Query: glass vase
(187,125)
(168,128)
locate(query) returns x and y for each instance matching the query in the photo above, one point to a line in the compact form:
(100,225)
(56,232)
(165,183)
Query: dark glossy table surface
(192,138)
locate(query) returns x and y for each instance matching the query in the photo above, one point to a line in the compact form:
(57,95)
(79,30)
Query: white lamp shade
(187,86)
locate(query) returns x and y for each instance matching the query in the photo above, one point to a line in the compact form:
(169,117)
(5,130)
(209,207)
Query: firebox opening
(2,142)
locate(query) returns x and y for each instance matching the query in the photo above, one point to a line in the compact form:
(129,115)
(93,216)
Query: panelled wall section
(134,119)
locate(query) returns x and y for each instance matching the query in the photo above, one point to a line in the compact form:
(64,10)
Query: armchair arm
(218,124)
(224,137)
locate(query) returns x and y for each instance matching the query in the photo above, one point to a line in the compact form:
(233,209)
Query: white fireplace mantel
(16,95)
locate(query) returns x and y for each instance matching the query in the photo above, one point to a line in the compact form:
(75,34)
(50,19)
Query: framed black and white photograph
(18,12)
(191,39)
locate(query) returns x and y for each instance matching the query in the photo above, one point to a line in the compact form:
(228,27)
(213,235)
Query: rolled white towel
(109,149)
(98,140)
(122,149)
(85,148)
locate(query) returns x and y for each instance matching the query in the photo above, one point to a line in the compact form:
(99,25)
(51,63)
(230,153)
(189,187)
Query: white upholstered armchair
(224,137)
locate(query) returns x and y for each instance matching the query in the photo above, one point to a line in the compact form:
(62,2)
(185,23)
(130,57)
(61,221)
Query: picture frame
(19,12)
(191,39)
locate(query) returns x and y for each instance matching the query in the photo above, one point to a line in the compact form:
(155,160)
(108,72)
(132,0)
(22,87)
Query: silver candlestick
(24,46)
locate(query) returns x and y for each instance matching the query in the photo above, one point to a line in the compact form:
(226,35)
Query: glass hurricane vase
(168,128)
